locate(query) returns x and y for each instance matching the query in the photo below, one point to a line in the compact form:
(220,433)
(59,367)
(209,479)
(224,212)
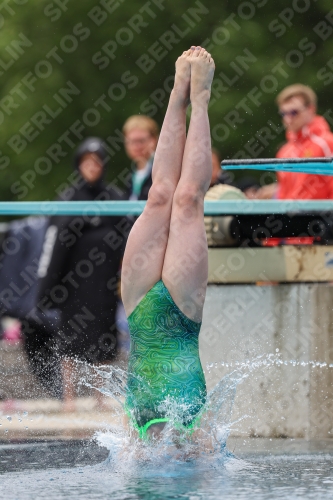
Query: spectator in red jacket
(308,135)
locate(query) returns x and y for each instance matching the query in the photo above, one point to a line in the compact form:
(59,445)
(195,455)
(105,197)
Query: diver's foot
(181,88)
(202,73)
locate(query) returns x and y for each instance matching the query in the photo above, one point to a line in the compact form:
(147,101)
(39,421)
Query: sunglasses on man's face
(292,112)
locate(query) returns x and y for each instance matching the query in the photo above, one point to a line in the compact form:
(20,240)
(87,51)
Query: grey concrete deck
(45,419)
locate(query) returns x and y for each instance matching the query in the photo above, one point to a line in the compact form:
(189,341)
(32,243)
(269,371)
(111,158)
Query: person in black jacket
(79,269)
(141,136)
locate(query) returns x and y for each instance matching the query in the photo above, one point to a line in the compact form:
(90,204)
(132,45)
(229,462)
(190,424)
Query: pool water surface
(258,469)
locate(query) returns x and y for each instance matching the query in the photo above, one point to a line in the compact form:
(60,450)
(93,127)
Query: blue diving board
(223,207)
(323,166)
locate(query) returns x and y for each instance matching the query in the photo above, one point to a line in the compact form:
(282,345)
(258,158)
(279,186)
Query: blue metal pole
(323,166)
(225,207)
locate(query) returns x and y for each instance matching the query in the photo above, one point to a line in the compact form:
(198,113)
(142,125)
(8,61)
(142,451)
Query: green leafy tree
(72,69)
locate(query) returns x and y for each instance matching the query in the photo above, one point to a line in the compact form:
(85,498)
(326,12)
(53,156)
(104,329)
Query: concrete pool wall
(294,322)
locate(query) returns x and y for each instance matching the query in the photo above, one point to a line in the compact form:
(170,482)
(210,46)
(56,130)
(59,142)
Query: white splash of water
(175,443)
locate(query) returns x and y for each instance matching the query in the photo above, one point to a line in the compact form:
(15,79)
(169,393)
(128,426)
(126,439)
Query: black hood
(91,145)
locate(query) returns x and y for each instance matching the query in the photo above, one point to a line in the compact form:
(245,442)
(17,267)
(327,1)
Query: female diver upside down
(165,266)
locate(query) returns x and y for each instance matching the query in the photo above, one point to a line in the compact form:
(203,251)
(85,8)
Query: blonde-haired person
(308,135)
(140,137)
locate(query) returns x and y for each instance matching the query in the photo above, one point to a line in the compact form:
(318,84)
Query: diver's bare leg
(146,245)
(185,269)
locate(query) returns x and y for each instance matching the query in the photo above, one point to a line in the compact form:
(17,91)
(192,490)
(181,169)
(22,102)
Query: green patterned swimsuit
(164,366)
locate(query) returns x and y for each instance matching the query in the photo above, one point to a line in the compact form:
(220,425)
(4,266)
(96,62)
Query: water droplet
(277,350)
(9,419)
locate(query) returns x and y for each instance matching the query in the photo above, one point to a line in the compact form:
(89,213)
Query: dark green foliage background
(254,34)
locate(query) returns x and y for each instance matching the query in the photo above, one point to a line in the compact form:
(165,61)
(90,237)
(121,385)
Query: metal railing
(223,207)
